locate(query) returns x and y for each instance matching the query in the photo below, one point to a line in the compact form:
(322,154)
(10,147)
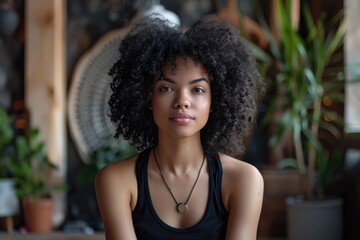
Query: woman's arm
(115,186)
(244,187)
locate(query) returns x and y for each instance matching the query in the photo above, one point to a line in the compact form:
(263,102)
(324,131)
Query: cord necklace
(181,207)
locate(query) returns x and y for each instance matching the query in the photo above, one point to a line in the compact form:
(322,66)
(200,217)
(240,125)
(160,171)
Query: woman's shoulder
(242,183)
(117,181)
(119,171)
(234,166)
(238,174)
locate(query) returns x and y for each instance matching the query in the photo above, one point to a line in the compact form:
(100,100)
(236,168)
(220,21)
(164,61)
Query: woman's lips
(181,118)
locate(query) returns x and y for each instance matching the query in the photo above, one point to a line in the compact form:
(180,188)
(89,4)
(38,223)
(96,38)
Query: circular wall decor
(90,126)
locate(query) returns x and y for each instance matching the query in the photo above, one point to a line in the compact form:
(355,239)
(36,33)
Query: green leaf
(287,163)
(331,129)
(259,53)
(314,88)
(313,139)
(333,116)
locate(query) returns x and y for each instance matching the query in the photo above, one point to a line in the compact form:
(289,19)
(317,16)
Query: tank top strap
(141,177)
(216,173)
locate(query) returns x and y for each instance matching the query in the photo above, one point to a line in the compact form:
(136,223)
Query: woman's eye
(165,89)
(199,90)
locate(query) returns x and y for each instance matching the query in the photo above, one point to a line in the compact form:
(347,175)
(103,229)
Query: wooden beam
(45,81)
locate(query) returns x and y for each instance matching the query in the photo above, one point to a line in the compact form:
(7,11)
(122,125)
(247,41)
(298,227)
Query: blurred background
(54,59)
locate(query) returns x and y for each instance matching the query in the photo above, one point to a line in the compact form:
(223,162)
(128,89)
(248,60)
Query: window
(352,59)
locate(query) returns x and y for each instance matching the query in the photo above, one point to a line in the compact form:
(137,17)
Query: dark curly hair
(236,86)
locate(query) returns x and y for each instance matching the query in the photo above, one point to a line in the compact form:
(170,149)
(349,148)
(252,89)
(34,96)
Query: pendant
(181,208)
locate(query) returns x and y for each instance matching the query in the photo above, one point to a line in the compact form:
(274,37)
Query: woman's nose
(182,100)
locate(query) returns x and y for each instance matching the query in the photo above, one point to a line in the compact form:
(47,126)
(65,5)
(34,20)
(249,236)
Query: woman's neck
(180,155)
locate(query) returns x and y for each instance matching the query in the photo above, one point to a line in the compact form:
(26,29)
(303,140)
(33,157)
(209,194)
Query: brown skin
(180,154)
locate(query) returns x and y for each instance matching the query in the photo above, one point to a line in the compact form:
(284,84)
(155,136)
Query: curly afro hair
(236,86)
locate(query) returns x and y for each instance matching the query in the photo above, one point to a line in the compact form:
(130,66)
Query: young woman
(189,101)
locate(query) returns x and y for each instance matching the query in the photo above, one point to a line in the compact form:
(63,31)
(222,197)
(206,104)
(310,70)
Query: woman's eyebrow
(162,78)
(174,82)
(199,80)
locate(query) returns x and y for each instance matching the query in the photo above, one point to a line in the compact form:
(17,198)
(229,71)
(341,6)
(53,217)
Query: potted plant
(32,172)
(307,79)
(9,204)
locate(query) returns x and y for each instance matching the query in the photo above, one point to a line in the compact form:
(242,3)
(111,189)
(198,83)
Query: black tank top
(149,226)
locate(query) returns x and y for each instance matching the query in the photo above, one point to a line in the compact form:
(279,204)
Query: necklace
(181,207)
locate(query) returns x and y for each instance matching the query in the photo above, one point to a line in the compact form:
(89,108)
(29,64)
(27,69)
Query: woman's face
(181,101)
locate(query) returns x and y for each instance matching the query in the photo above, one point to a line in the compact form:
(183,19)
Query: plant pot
(38,214)
(9,203)
(314,219)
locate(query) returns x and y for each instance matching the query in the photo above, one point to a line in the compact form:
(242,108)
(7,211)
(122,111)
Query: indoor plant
(9,204)
(32,172)
(307,81)
(6,136)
